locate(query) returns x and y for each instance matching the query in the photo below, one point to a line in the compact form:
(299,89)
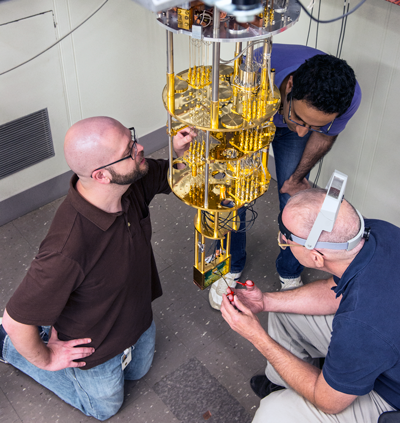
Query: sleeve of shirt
(156,182)
(43,293)
(357,355)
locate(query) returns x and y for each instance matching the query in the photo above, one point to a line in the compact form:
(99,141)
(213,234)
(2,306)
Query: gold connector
(222,192)
(214,114)
(254,109)
(171,92)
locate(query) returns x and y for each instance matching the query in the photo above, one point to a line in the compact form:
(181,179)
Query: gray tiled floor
(190,334)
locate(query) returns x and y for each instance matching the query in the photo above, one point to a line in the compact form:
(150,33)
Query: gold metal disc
(180,86)
(225,93)
(232,121)
(225,70)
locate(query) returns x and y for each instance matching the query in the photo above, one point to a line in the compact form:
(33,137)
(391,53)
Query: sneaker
(3,335)
(290,283)
(218,288)
(262,386)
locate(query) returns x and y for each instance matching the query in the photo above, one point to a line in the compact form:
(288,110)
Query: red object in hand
(230,297)
(248,283)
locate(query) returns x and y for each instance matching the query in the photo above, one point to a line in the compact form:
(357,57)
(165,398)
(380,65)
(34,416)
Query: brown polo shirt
(95,275)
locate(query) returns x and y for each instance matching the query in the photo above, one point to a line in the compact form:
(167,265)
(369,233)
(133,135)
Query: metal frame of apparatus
(232,109)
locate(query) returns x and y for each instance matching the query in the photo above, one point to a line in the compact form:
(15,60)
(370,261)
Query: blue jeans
(288,150)
(97,392)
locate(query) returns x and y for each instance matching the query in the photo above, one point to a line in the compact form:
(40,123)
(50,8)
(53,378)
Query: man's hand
(56,355)
(292,186)
(63,353)
(244,322)
(317,146)
(251,297)
(182,140)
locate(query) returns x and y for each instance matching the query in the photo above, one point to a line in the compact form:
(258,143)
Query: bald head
(91,143)
(302,210)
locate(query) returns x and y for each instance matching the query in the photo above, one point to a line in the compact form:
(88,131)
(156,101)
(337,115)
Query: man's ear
(318,259)
(289,85)
(102,176)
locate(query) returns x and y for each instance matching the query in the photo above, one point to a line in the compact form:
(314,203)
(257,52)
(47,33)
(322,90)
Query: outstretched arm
(316,148)
(56,355)
(315,298)
(182,140)
(304,378)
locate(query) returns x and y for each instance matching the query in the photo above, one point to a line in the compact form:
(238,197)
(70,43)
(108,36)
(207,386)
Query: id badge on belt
(126,358)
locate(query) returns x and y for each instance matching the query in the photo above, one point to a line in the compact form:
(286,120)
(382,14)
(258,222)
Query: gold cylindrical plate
(225,93)
(186,102)
(225,70)
(232,121)
(180,86)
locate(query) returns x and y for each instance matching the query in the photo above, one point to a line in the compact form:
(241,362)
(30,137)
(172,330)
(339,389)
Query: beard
(132,177)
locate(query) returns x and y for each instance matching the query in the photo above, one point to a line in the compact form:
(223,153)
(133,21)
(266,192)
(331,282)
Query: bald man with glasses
(350,320)
(81,321)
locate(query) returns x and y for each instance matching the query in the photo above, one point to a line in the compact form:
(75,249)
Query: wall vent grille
(25,142)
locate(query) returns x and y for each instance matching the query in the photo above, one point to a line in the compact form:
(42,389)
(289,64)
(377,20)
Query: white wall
(115,65)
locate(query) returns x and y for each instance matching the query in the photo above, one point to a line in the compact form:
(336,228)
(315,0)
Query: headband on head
(326,219)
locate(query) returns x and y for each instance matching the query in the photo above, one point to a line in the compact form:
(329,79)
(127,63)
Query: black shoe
(263,386)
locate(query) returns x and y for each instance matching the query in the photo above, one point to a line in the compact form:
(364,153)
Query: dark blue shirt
(364,353)
(286,59)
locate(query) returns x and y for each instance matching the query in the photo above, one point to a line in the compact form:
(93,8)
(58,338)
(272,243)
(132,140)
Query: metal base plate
(211,273)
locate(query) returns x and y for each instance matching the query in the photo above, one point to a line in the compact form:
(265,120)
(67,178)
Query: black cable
(27,17)
(309,27)
(341,29)
(331,20)
(316,34)
(58,41)
(226,223)
(315,183)
(344,31)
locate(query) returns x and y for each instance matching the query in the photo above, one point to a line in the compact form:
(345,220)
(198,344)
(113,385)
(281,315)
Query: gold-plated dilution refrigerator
(230,104)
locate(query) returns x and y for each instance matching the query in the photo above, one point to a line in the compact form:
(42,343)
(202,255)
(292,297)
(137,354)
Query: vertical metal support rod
(238,49)
(196,248)
(249,56)
(264,163)
(215,72)
(265,67)
(228,244)
(203,253)
(235,226)
(171,99)
(216,56)
(216,221)
(206,170)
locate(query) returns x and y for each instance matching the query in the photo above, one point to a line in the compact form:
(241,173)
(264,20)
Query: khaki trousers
(308,338)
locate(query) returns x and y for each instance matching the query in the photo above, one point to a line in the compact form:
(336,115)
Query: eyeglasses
(306,126)
(131,155)
(283,245)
